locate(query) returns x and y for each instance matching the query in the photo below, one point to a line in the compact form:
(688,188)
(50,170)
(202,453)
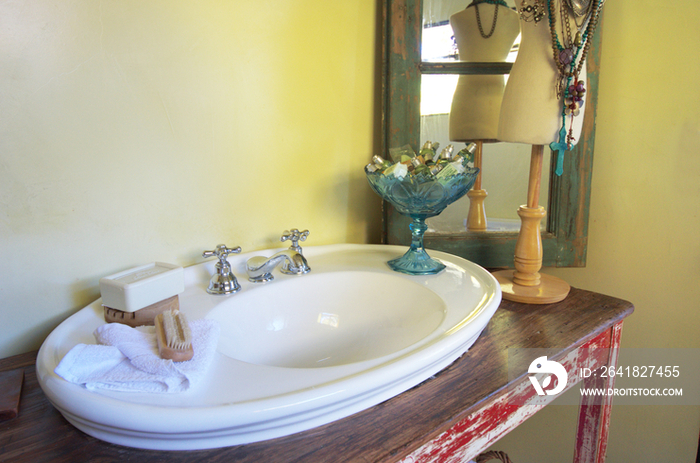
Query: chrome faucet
(260,268)
(293,262)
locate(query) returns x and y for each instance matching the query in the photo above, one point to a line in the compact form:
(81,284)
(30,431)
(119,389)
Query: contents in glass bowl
(427,165)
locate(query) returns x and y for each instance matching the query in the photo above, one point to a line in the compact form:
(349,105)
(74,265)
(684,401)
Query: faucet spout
(260,268)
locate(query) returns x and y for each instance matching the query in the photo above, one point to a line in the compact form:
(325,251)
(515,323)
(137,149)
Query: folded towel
(127,359)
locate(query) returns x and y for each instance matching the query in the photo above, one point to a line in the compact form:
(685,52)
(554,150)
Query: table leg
(594,411)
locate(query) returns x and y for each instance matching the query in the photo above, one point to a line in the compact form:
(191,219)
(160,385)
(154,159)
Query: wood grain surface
(10,389)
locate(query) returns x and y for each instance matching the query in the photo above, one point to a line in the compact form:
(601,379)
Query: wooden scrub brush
(173,336)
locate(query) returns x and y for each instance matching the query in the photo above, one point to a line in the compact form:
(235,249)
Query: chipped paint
(500,414)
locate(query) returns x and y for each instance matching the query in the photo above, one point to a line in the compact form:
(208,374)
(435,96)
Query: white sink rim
(314,396)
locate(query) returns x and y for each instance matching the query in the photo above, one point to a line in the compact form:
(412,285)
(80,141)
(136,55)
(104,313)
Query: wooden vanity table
(451,417)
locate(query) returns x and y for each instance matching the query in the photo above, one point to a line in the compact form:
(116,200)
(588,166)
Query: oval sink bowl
(328,320)
(294,353)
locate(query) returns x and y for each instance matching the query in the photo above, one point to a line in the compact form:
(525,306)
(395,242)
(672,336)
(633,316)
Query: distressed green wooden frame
(565,240)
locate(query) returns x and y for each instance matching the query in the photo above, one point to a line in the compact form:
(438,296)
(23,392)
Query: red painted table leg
(501,413)
(594,412)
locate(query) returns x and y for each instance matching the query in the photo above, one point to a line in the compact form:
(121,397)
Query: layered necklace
(569,55)
(496,3)
(532,13)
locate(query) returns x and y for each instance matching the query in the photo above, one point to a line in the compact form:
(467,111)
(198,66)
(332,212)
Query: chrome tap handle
(223,281)
(294,235)
(221,252)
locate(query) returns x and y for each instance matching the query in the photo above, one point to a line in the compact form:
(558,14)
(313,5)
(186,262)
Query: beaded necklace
(496,3)
(532,13)
(569,59)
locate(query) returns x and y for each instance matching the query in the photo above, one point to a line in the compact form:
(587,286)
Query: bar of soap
(140,287)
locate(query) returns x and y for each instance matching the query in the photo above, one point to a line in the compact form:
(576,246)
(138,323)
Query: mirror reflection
(457,108)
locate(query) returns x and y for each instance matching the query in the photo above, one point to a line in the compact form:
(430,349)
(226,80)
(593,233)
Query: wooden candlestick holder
(476,219)
(526,284)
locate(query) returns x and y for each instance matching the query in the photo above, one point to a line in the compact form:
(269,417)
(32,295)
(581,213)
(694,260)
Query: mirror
(413,115)
(504,166)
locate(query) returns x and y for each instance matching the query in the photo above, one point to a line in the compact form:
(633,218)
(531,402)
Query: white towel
(126,359)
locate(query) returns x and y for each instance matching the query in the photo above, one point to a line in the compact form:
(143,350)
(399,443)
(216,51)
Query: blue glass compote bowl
(419,198)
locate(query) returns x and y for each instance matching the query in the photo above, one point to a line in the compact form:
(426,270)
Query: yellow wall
(644,232)
(136,131)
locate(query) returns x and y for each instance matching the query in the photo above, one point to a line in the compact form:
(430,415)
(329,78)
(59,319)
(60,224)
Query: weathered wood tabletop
(385,433)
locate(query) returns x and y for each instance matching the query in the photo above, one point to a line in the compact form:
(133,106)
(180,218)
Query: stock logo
(541,367)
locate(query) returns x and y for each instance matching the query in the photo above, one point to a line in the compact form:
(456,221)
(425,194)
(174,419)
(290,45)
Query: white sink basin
(329,319)
(295,353)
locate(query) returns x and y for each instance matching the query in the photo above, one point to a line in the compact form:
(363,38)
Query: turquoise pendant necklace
(568,86)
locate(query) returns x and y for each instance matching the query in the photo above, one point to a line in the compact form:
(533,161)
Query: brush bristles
(177,330)
(173,336)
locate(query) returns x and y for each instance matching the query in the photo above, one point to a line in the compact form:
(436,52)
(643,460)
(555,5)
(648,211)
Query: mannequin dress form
(476,104)
(531,112)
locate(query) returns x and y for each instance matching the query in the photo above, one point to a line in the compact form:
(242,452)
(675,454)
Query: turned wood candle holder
(476,219)
(526,284)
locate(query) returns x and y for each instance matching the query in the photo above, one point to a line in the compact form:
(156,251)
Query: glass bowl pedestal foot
(416,261)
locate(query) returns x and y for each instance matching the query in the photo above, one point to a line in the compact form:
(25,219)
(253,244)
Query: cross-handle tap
(294,235)
(223,281)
